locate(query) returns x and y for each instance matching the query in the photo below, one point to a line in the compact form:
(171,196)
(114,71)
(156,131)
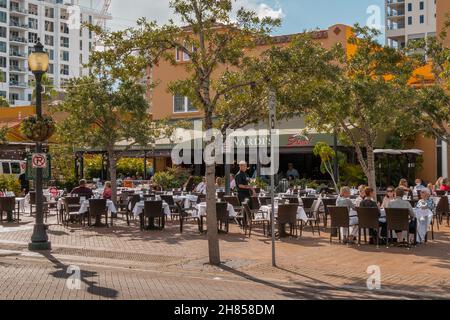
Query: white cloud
(125,13)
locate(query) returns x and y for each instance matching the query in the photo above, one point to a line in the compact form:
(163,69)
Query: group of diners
(248,205)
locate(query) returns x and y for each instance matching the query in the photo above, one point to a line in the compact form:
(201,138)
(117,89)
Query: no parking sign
(39,161)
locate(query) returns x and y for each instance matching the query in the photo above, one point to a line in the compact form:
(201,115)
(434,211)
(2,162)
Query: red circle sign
(39,161)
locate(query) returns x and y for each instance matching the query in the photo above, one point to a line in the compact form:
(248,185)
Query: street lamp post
(38,62)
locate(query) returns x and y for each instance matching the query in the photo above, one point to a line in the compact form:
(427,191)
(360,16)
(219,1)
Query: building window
(2,46)
(410,20)
(182,104)
(422,19)
(422,5)
(64,69)
(410,7)
(64,42)
(3,17)
(439,157)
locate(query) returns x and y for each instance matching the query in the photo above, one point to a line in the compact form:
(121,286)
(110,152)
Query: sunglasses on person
(390,190)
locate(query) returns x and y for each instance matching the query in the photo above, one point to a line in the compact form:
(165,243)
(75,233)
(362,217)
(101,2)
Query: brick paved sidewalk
(125,263)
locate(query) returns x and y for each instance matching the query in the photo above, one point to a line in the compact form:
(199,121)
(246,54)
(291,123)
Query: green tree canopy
(359,97)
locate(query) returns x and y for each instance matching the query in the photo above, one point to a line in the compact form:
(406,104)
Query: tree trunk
(371,174)
(112,173)
(213,238)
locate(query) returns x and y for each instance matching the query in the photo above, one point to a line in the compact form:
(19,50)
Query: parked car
(12,167)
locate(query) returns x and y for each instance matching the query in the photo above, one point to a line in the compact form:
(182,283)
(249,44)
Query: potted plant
(38,128)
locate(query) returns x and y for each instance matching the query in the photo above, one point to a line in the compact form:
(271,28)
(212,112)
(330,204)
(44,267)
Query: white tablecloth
(301,214)
(85,207)
(186,199)
(201,210)
(139,208)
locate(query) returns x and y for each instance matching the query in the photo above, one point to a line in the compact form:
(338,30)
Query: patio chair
(442,209)
(234,201)
(251,221)
(221,195)
(124,200)
(440,193)
(71,210)
(97,209)
(255,204)
(308,203)
(8,205)
(133,200)
(265,201)
(327,202)
(33,203)
(368,218)
(292,199)
(223,216)
(186,215)
(398,220)
(153,210)
(287,214)
(313,218)
(340,218)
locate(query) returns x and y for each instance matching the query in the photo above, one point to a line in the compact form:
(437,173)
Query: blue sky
(307,14)
(298,15)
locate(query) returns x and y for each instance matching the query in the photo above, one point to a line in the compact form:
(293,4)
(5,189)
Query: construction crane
(103,13)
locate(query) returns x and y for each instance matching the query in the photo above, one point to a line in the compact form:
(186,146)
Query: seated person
(201,187)
(345,201)
(369,202)
(403,184)
(361,195)
(445,185)
(419,186)
(390,196)
(107,192)
(399,203)
(82,190)
(426,199)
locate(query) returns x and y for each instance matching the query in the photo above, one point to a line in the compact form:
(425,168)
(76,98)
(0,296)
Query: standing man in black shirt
(245,191)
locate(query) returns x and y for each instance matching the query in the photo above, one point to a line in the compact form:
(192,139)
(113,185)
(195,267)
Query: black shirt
(242,179)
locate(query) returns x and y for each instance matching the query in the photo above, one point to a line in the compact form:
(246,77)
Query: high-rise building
(57,24)
(409,19)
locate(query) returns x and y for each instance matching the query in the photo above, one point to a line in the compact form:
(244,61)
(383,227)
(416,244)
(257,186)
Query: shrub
(10,183)
(172,178)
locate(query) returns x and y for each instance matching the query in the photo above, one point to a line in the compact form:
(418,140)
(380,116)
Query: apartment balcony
(15,69)
(396,14)
(18,11)
(19,40)
(18,26)
(18,84)
(18,55)
(393,3)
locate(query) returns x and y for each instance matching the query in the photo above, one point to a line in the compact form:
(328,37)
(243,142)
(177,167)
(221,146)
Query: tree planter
(38,129)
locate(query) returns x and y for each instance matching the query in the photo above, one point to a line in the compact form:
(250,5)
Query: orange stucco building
(436,153)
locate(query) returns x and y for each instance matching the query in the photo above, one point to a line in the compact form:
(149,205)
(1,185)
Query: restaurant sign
(299,140)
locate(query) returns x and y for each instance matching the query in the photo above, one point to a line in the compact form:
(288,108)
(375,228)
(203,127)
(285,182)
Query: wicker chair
(223,216)
(250,221)
(287,214)
(340,218)
(70,210)
(8,204)
(397,219)
(327,202)
(442,209)
(368,218)
(97,209)
(187,214)
(313,218)
(153,210)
